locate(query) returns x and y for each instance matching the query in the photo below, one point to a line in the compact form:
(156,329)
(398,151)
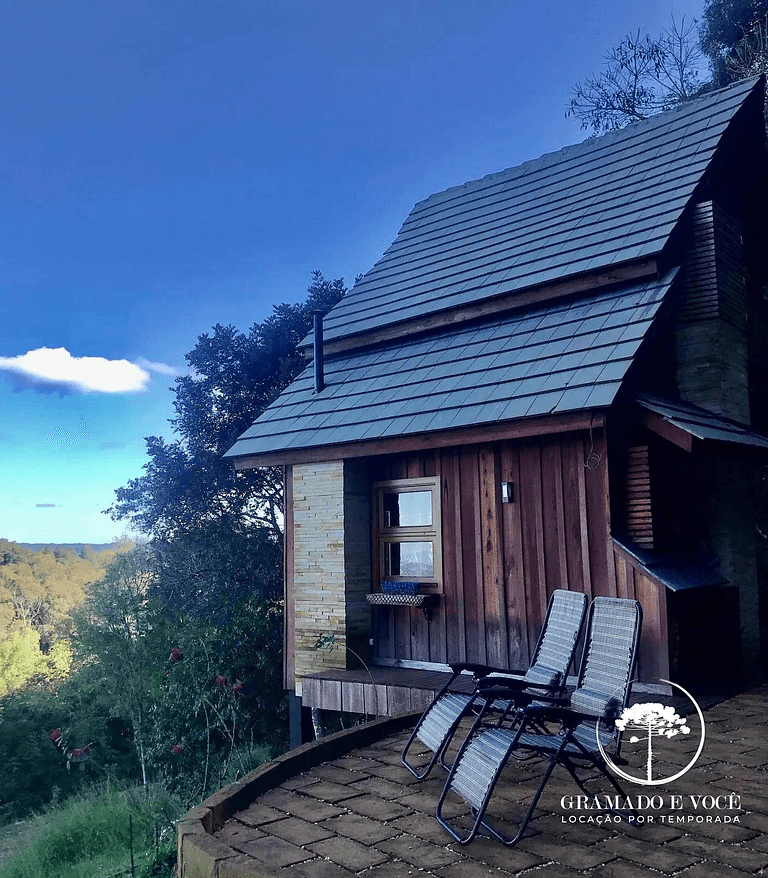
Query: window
(407,522)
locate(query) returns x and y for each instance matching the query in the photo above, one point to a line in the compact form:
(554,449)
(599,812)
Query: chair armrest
(562,714)
(479,671)
(506,681)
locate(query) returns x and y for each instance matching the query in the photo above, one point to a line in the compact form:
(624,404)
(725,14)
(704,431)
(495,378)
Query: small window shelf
(424,602)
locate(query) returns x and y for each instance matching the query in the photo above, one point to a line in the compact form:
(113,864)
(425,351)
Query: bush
(93,835)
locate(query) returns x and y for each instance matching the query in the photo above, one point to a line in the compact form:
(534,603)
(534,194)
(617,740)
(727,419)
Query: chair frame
(534,715)
(513,680)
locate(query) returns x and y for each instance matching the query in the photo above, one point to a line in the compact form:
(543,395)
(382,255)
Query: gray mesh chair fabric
(601,694)
(548,671)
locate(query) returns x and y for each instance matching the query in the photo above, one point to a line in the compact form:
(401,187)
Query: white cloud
(49,369)
(160,368)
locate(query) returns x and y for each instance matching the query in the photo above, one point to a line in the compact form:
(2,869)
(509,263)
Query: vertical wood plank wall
(501,562)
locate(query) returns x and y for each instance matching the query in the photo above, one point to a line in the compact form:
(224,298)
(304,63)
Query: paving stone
(377,809)
(279,798)
(422,825)
(622,869)
(309,808)
(428,803)
(296,783)
(552,824)
(567,852)
(337,774)
(738,856)
(718,832)
(298,831)
(655,833)
(361,828)
(258,814)
(331,792)
(232,830)
(754,820)
(492,853)
(758,843)
(274,851)
(420,853)
(355,762)
(396,773)
(349,853)
(319,868)
(661,857)
(710,869)
(246,867)
(371,752)
(396,869)
(377,786)
(469,869)
(557,870)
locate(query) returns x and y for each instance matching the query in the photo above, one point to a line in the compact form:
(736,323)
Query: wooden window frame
(383,534)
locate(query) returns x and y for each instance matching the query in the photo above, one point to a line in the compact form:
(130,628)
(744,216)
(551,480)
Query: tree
(234,376)
(115,627)
(643,76)
(726,26)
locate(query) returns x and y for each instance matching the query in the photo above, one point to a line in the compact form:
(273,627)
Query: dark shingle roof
(590,206)
(700,423)
(558,357)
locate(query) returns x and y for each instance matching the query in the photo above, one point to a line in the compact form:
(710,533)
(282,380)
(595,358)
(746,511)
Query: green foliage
(33,770)
(125,636)
(92,835)
(116,627)
(39,587)
(22,660)
(725,24)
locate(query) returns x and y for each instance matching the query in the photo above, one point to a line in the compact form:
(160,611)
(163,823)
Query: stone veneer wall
(332,564)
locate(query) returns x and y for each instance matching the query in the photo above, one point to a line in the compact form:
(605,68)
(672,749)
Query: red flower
(221,681)
(177,749)
(176,655)
(77,753)
(55,735)
(238,687)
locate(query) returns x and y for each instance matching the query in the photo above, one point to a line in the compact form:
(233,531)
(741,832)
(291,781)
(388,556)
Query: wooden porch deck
(378,691)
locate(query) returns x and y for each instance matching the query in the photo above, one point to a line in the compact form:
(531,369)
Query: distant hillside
(74,547)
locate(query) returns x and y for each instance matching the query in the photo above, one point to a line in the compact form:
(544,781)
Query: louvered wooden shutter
(638,509)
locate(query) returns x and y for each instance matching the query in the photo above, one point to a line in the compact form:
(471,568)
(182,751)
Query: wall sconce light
(506,492)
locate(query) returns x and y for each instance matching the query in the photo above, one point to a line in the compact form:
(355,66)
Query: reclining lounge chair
(548,673)
(602,692)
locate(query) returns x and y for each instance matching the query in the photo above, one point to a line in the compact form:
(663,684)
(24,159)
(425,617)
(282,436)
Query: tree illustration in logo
(654,719)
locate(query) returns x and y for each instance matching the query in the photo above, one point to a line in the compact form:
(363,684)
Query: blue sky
(167,166)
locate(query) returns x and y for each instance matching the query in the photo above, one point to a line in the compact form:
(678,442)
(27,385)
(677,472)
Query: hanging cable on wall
(592,460)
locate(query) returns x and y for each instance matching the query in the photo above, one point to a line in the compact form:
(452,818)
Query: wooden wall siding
(631,582)
(639,519)
(502,561)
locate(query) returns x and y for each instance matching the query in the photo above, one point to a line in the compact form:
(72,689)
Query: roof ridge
(607,139)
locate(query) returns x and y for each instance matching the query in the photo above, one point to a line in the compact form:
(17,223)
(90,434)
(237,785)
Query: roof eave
(516,429)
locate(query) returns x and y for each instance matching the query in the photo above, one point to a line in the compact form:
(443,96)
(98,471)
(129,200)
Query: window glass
(407,509)
(409,559)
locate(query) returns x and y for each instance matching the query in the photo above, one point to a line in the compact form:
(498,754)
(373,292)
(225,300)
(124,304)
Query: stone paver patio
(364,814)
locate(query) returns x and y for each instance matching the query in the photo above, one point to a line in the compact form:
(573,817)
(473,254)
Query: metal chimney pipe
(318,351)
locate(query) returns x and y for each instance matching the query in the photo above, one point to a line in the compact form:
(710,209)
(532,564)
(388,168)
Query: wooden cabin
(555,377)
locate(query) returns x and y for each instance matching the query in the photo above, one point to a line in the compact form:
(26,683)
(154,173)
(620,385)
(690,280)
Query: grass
(91,836)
